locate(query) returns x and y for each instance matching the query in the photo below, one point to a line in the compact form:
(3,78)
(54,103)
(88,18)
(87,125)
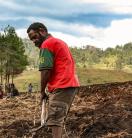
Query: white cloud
(115,6)
(118,33)
(22,33)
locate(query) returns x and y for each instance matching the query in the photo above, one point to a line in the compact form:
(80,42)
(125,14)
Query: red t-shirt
(55,55)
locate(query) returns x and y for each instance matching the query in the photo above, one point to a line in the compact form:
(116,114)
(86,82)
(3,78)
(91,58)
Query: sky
(99,23)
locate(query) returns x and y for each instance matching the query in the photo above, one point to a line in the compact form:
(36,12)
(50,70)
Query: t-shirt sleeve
(45,59)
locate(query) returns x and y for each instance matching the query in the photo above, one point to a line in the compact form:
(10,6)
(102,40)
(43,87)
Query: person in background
(30,88)
(7,90)
(57,69)
(13,90)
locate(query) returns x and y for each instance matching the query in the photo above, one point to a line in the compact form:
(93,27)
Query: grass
(86,77)
(97,76)
(22,81)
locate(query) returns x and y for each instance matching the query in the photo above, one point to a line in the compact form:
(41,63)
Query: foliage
(12,55)
(115,58)
(87,56)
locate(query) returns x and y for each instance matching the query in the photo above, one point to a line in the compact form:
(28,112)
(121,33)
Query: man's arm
(45,75)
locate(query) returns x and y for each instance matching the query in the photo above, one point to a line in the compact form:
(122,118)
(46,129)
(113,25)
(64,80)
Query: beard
(39,42)
(41,39)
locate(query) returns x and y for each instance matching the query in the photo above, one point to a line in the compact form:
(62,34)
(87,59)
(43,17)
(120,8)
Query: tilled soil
(98,111)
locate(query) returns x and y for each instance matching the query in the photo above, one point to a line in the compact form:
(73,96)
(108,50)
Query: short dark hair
(36,26)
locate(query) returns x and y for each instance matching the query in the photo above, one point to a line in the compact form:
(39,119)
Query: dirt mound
(98,111)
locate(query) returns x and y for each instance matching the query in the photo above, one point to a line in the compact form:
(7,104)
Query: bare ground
(98,111)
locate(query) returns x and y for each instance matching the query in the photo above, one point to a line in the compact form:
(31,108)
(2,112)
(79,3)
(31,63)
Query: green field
(97,76)
(22,80)
(86,77)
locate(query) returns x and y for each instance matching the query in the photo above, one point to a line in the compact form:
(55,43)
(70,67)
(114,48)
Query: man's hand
(44,96)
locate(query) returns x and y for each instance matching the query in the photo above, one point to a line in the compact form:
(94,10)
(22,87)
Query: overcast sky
(101,23)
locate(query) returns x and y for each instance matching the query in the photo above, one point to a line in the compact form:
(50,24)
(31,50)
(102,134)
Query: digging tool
(44,113)
(43,117)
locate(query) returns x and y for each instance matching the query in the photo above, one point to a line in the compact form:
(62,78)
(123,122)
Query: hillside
(86,77)
(98,111)
(100,76)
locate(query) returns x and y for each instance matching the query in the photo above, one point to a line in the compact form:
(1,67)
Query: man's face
(36,37)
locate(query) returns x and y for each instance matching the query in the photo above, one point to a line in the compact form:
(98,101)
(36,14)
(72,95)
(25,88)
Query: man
(57,73)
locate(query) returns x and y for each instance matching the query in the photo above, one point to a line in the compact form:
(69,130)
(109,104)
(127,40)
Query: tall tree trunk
(8,78)
(1,78)
(12,76)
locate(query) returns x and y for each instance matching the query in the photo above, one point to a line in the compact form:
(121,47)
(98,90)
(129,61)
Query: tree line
(117,57)
(87,56)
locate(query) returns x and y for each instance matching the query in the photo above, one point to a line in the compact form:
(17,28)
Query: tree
(13,59)
(119,62)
